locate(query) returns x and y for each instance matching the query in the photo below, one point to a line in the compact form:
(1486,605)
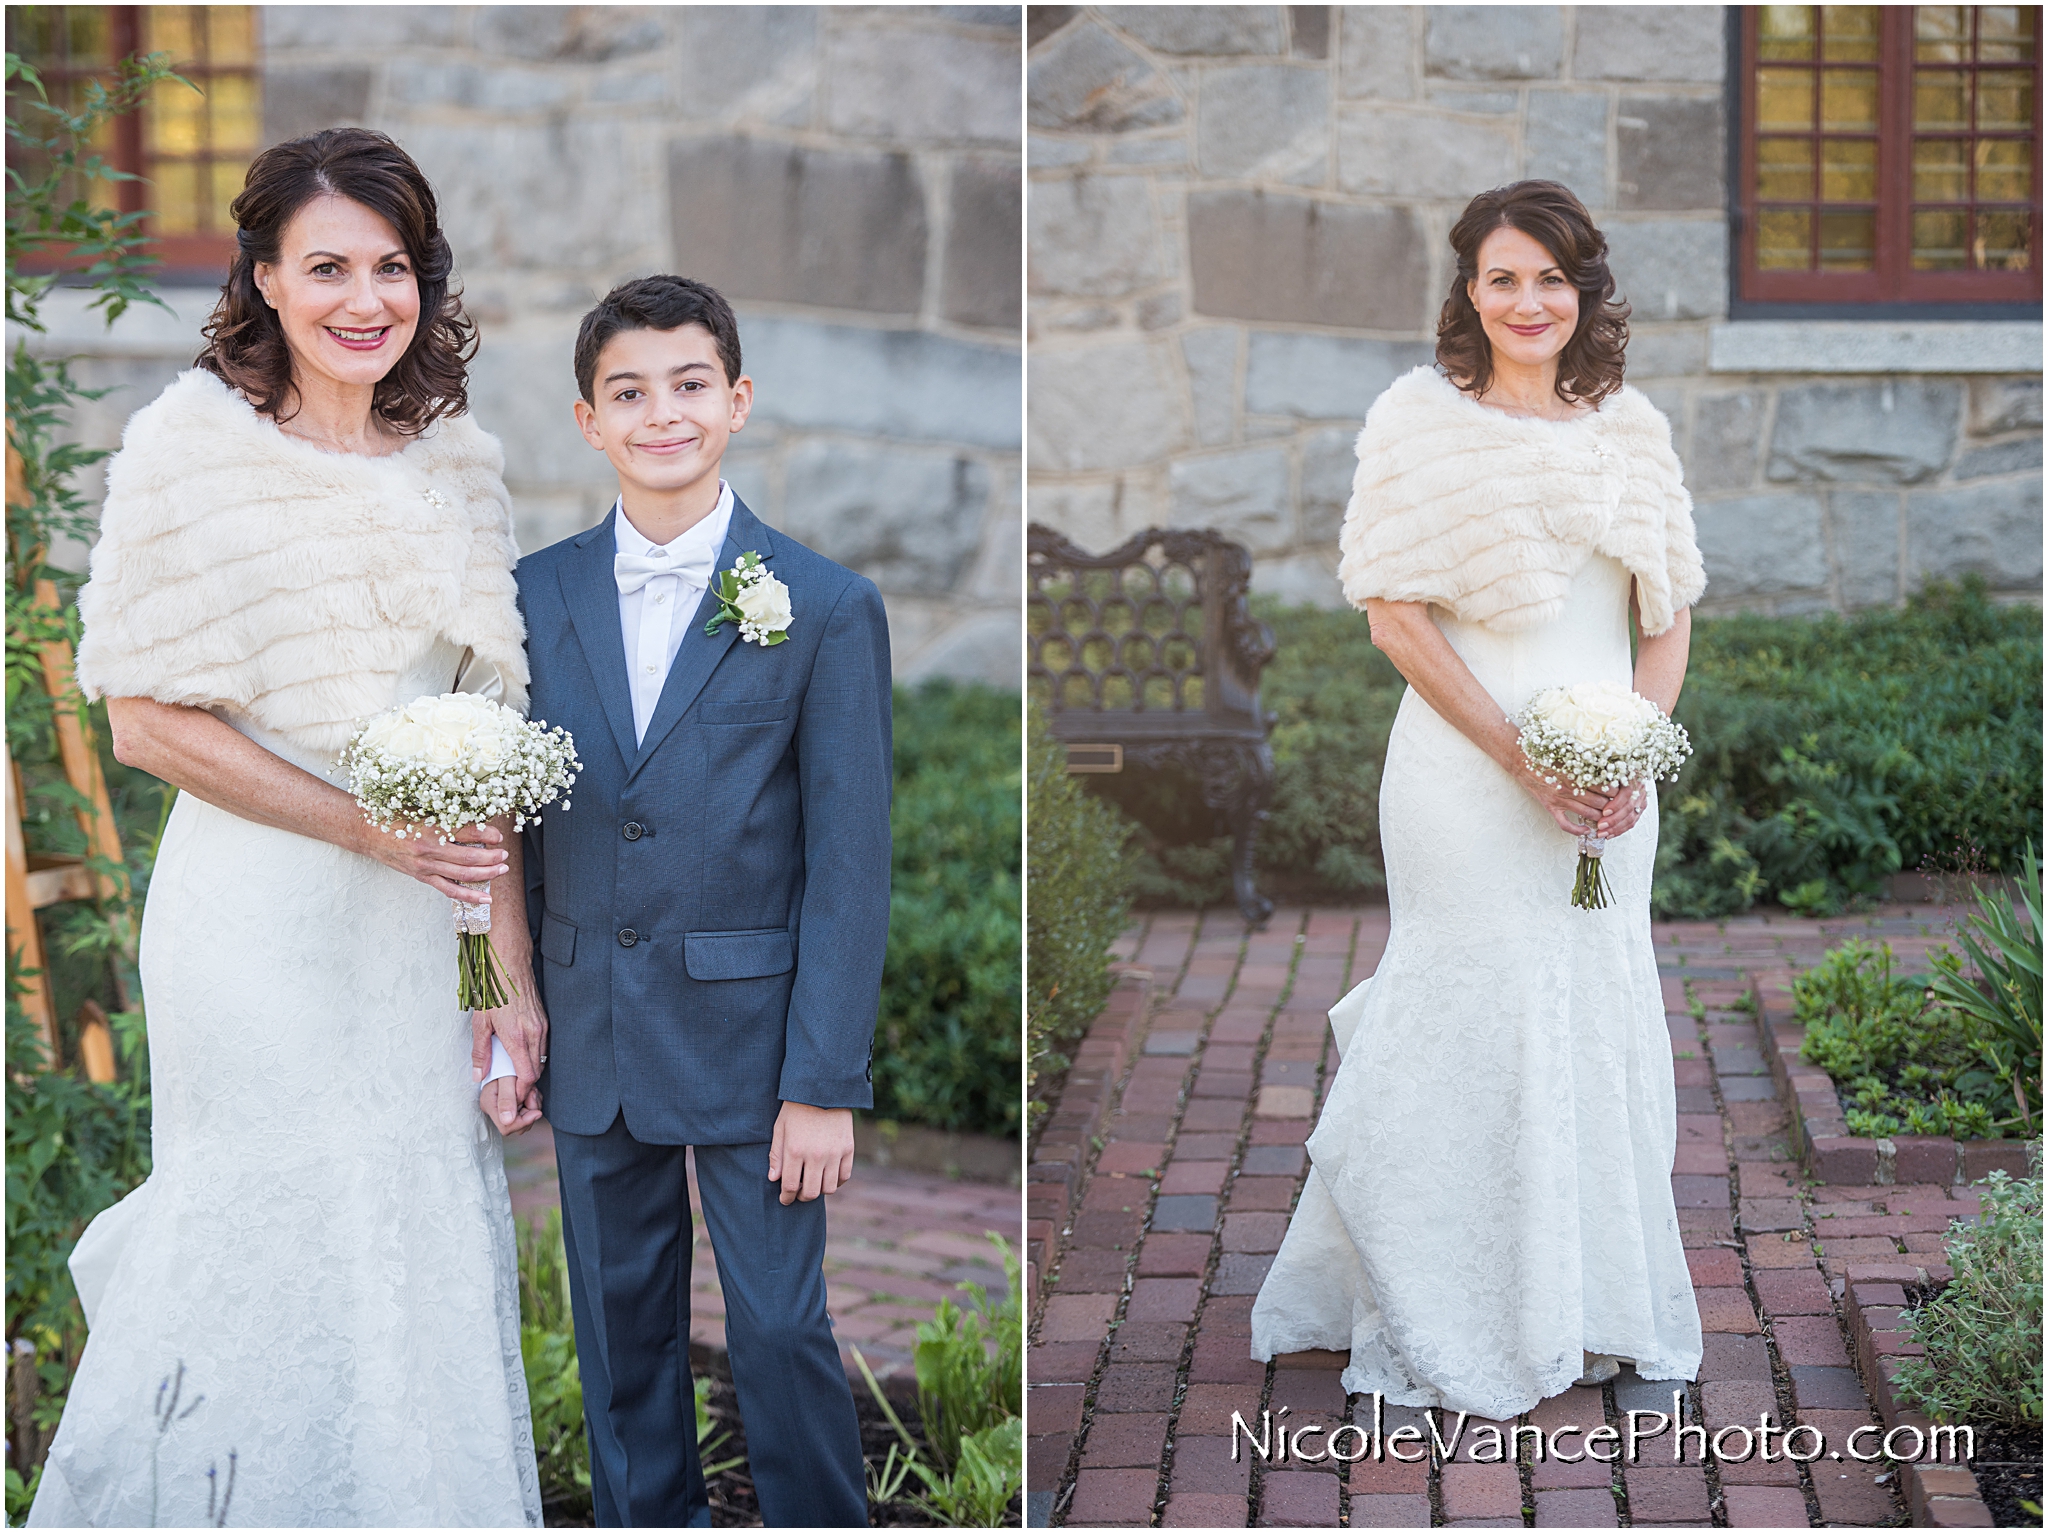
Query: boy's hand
(812,1151)
(501,1102)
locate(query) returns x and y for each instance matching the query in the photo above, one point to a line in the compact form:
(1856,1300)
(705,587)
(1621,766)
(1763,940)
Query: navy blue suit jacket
(710,914)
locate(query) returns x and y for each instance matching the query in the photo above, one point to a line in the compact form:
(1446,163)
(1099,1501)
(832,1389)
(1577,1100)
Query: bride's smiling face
(345,293)
(1527,307)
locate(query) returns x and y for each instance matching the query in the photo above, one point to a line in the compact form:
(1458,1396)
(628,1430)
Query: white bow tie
(632,571)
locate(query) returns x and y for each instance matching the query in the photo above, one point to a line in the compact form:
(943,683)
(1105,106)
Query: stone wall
(850,178)
(1238,237)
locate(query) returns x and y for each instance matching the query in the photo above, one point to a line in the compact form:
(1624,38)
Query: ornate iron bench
(1146,660)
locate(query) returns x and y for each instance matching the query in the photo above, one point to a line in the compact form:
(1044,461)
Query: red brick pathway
(1140,1348)
(898,1243)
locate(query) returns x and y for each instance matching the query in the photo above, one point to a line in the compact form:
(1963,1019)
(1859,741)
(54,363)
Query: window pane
(2005,170)
(1848,170)
(1940,173)
(237,115)
(1848,241)
(1849,33)
(2002,241)
(2005,99)
(169,29)
(1784,98)
(175,120)
(1941,34)
(1938,242)
(232,34)
(2005,34)
(175,197)
(1848,100)
(1784,169)
(1783,239)
(1941,99)
(1785,32)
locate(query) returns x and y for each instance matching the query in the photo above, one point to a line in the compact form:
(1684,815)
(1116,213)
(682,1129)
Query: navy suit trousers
(626,1223)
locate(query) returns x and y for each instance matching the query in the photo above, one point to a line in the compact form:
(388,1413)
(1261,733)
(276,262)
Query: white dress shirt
(654,618)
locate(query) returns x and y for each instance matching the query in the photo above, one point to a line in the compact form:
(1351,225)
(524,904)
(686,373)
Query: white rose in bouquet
(754,600)
(765,604)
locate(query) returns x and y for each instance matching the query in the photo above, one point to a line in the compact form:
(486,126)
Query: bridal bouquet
(1602,736)
(455,760)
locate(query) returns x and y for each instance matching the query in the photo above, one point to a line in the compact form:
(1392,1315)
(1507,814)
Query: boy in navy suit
(709,921)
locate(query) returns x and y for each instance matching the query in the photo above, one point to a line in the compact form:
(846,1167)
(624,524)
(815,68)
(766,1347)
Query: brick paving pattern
(898,1243)
(1156,1240)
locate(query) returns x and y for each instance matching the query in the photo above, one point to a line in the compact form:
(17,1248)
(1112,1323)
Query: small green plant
(1982,1332)
(2003,996)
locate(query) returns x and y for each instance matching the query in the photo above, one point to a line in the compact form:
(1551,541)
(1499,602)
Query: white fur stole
(1491,515)
(237,565)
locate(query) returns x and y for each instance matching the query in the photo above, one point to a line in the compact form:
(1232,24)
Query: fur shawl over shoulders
(1490,515)
(240,566)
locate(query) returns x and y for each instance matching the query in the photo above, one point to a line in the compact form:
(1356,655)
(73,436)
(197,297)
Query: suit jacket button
(634,830)
(628,937)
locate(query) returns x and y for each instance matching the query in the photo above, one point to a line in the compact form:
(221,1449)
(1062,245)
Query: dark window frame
(1860,295)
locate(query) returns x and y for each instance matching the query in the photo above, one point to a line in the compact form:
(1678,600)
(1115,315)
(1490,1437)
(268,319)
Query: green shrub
(1829,753)
(1982,1332)
(946,1041)
(1078,902)
(2001,992)
(1902,1062)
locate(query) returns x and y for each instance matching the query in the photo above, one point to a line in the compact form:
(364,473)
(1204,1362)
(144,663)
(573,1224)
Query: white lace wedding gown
(1490,1189)
(325,1246)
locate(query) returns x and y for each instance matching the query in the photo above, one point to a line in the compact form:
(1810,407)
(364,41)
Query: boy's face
(663,409)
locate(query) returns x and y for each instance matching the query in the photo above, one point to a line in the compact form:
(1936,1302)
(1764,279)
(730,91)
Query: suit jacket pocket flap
(557,939)
(738,955)
(761,710)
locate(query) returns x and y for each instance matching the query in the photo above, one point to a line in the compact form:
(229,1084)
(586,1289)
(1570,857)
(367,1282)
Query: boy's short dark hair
(656,303)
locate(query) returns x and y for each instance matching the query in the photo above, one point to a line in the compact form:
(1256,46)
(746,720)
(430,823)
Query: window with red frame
(1890,154)
(191,147)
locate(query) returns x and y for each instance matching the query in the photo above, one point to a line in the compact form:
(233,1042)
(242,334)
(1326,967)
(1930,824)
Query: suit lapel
(700,652)
(591,593)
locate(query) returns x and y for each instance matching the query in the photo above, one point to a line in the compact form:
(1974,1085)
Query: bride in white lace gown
(312,1304)
(1489,1216)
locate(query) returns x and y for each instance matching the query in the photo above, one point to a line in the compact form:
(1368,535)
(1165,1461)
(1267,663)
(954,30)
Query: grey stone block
(840,229)
(2000,458)
(301,101)
(1634,1393)
(1000,18)
(1323,377)
(984,647)
(1212,30)
(1670,153)
(1239,1272)
(1827,1389)
(1042,21)
(1329,459)
(1184,1211)
(901,82)
(1494,42)
(1899,430)
(1172,1041)
(1211,355)
(1089,78)
(1113,405)
(374,27)
(1667,353)
(909,520)
(513,89)
(1264,122)
(1651,42)
(1038,1503)
(1564,138)
(1063,319)
(522,389)
(1308,31)
(1283,258)
(915,386)
(981,276)
(1159,311)
(1093,236)
(1864,530)
(1148,151)
(588,34)
(1670,268)
(1762,545)
(1241,494)
(2004,404)
(739,61)
(1301,580)
(1989,529)
(1464,98)
(1375,52)
(1055,153)
(1274,1160)
(1748,1088)
(1728,441)
(1412,154)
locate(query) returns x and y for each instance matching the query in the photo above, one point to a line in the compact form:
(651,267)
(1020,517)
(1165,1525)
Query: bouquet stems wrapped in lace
(1599,736)
(441,763)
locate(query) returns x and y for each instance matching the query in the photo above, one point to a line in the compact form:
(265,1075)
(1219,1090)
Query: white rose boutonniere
(754,599)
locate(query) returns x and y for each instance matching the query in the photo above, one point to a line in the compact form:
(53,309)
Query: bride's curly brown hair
(246,347)
(1590,366)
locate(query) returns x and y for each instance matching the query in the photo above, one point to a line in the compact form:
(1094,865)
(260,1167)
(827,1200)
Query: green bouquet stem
(482,983)
(1589,888)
